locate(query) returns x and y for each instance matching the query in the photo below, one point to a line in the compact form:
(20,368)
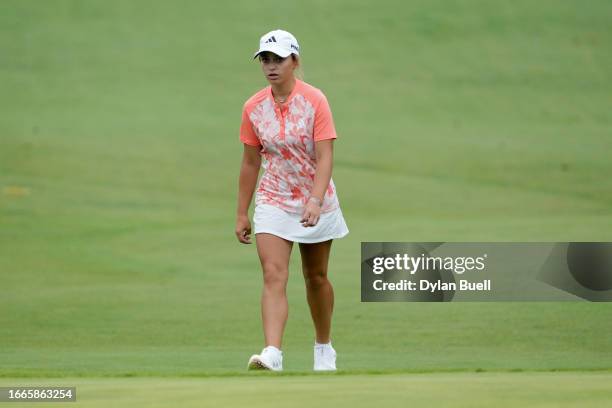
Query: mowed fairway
(456,120)
(399,390)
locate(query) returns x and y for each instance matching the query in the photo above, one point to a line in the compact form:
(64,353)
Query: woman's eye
(267,60)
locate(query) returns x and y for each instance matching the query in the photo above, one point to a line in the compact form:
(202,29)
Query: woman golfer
(290,125)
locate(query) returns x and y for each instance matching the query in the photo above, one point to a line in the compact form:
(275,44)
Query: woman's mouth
(272,76)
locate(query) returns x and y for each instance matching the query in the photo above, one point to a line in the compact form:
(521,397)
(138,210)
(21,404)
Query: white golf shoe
(324,357)
(270,358)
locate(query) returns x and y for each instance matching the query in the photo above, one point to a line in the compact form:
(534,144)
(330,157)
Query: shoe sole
(325,369)
(256,364)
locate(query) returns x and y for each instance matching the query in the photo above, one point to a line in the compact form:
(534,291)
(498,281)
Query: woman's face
(277,69)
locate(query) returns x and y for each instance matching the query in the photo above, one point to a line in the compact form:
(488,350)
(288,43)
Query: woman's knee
(315,277)
(275,274)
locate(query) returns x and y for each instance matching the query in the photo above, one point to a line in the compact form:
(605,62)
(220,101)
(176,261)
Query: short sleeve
(247,134)
(323,122)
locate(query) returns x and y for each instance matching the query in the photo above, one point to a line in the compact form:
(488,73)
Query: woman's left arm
(324,150)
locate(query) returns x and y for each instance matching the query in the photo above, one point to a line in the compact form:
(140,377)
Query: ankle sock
(273,348)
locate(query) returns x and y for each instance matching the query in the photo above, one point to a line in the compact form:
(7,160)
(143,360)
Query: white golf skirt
(273,220)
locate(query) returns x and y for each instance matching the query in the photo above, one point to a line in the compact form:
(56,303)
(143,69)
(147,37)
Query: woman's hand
(243,229)
(312,212)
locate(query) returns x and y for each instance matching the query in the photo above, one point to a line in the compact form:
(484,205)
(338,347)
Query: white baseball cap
(280,42)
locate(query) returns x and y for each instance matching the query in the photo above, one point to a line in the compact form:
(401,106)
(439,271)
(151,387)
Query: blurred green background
(119,160)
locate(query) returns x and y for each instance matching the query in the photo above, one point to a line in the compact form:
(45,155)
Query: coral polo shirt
(286,135)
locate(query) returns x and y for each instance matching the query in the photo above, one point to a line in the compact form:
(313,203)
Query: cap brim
(274,48)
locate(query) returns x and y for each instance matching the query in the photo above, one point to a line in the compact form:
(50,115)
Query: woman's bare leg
(274,253)
(319,291)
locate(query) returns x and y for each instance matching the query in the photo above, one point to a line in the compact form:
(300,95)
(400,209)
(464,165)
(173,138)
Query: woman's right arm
(249,171)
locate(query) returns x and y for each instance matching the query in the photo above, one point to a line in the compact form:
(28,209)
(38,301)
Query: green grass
(394,390)
(457,121)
